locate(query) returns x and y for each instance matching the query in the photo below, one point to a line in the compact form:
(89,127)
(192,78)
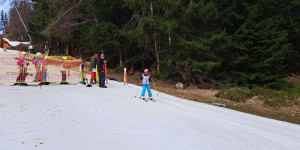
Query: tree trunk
(151,8)
(170,44)
(121,60)
(142,58)
(67,49)
(61,46)
(157,53)
(1,42)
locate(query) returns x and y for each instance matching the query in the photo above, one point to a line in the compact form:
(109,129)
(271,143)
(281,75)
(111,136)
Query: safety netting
(16,68)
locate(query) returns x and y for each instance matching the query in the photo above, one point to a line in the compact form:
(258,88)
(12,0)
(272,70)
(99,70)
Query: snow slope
(74,117)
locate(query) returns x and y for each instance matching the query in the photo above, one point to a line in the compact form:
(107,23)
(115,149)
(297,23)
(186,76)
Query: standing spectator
(101,71)
(45,67)
(92,69)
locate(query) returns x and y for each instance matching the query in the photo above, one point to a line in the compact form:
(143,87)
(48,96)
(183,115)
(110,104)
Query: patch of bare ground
(254,106)
(293,79)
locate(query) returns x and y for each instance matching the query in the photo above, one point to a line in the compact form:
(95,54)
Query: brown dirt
(294,79)
(254,101)
(254,105)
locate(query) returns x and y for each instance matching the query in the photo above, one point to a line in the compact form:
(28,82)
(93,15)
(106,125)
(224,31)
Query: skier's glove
(152,79)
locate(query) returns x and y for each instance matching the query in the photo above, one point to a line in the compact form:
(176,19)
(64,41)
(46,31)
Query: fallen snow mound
(74,117)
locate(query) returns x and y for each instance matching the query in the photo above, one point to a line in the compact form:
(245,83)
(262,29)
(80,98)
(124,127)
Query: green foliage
(285,97)
(235,43)
(279,85)
(45,15)
(275,98)
(135,60)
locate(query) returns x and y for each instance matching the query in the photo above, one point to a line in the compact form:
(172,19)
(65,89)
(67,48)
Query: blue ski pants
(44,76)
(146,86)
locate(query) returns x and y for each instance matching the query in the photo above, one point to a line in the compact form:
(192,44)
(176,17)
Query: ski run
(75,117)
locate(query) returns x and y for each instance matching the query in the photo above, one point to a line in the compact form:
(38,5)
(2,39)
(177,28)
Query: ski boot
(144,99)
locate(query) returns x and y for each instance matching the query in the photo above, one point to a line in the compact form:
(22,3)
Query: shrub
(275,98)
(297,101)
(287,96)
(279,85)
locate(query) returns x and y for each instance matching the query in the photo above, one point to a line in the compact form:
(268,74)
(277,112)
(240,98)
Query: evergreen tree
(246,43)
(2,21)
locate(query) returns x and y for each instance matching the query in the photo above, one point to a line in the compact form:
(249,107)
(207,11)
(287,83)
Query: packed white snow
(74,117)
(9,51)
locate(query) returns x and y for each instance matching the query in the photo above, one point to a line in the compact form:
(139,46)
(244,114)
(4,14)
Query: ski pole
(137,91)
(155,87)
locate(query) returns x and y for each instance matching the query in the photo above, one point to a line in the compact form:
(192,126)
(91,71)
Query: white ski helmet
(38,54)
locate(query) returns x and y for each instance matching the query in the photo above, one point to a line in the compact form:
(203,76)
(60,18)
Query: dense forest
(199,42)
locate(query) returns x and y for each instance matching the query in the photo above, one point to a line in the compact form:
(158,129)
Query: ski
(24,85)
(67,83)
(151,99)
(144,99)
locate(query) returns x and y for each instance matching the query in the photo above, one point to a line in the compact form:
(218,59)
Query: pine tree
(246,43)
(2,21)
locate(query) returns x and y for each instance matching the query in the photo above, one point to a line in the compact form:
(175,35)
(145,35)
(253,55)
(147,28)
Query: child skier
(82,73)
(22,69)
(37,63)
(145,81)
(63,70)
(45,67)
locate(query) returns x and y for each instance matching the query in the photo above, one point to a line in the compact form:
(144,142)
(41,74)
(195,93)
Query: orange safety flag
(20,54)
(97,75)
(5,47)
(43,69)
(69,66)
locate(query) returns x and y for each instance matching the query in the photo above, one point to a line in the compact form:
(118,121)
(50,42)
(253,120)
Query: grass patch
(235,94)
(286,97)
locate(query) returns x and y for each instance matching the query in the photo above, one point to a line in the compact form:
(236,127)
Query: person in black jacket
(101,71)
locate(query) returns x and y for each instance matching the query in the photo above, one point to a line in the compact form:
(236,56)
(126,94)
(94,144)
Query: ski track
(74,117)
